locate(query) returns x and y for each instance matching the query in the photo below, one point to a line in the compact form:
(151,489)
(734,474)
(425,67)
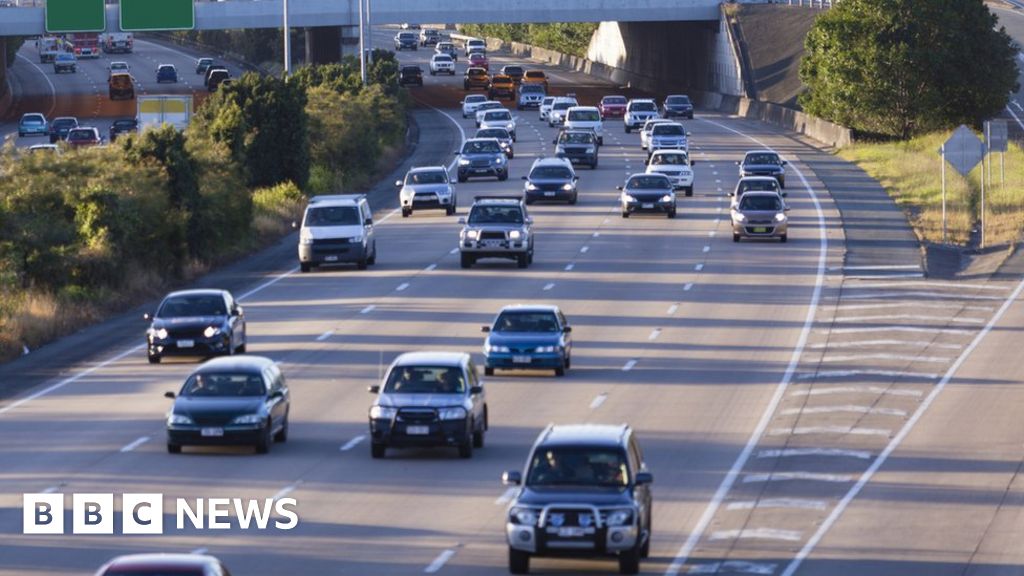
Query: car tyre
(575,197)
(462,179)
(478,438)
(625,214)
(467,260)
(627,129)
(263,444)
(466,448)
(560,371)
(282,435)
(629,561)
(593,165)
(523,260)
(363,263)
(305,267)
(433,73)
(503,176)
(154,358)
(377,450)
(241,348)
(689,191)
(372,260)
(450,210)
(488,371)
(406,212)
(518,561)
(784,238)
(173,448)
(672,213)
(735,237)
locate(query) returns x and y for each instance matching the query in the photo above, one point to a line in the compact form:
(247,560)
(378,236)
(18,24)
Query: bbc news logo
(144,513)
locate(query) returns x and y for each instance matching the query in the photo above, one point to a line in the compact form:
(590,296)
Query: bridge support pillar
(327,44)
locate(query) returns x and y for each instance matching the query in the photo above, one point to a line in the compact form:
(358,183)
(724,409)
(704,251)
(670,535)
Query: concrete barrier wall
(6,98)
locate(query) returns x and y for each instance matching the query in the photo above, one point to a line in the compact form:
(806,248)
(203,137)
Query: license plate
(212,432)
(493,243)
(549,193)
(521,359)
(417,430)
(760,230)
(571,532)
(648,206)
(480,171)
(331,258)
(186,343)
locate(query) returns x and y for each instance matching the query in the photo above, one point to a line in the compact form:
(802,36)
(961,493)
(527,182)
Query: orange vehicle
(121,86)
(502,86)
(536,77)
(476,79)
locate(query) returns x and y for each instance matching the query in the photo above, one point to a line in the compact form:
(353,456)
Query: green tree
(13,45)
(906,67)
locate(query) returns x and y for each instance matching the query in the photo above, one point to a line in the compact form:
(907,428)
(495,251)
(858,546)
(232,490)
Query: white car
(645,131)
(545,107)
(484,107)
(586,117)
(471,103)
(442,64)
(499,119)
(559,108)
(638,111)
(475,45)
(675,164)
(116,67)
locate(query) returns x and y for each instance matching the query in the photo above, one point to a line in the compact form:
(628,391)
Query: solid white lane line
(900,436)
(929,284)
(598,400)
(352,443)
(402,287)
(549,286)
(900,357)
(909,317)
(688,287)
(138,442)
(368,309)
(733,567)
(909,305)
(880,267)
(846,373)
(53,89)
(916,329)
(920,295)
(431,268)
(440,561)
(585,249)
(870,343)
(268,283)
(807,430)
(856,390)
(698,267)
(654,334)
(757,534)
(569,267)
(672,309)
(795,452)
(791,476)
(847,408)
(505,497)
(629,366)
(780,390)
(325,335)
(797,503)
(286,490)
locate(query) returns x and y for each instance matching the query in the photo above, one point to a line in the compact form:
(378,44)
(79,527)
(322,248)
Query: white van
(337,229)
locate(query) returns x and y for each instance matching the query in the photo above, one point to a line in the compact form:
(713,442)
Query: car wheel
(593,165)
(241,348)
(735,237)
(377,450)
(513,136)
(173,448)
(528,201)
(518,561)
(511,154)
(625,214)
(450,211)
(406,212)
(362,263)
(478,438)
(560,371)
(304,267)
(282,434)
(689,191)
(466,448)
(629,561)
(467,260)
(263,444)
(572,201)
(154,359)
(600,141)
(645,550)
(672,213)
(627,129)
(432,73)
(784,238)
(503,176)
(488,371)
(462,179)
(568,362)
(523,260)
(372,260)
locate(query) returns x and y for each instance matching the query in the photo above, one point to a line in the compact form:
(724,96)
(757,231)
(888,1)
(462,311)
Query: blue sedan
(528,337)
(33,124)
(166,73)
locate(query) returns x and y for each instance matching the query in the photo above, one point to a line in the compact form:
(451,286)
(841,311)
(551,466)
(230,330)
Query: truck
(117,42)
(85,44)
(48,47)
(175,110)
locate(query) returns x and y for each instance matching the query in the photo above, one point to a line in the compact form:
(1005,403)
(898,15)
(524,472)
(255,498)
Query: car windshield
(547,101)
(230,384)
(499,133)
(747,185)
(669,130)
(445,46)
(406,36)
(432,177)
(192,306)
(761,159)
(535,74)
(526,322)
(32,120)
(584,116)
(64,123)
(426,380)
(124,123)
(332,216)
(489,106)
(476,98)
(643,107)
(551,173)
(167,68)
(563,105)
(81,135)
(761,202)
(205,61)
(65,57)
(476,72)
(678,100)
(532,88)
(648,182)
(442,58)
(577,138)
(512,70)
(481,147)
(498,115)
(578,466)
(614,100)
(666,159)
(649,126)
(496,215)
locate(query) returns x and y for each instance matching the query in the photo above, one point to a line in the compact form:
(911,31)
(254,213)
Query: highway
(762,382)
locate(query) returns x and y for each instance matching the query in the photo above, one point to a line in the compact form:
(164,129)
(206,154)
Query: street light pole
(287,43)
(362,41)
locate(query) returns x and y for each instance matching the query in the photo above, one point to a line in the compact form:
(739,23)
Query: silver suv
(497,227)
(427,187)
(429,399)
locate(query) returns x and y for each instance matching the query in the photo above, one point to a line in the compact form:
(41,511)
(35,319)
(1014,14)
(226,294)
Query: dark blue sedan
(166,73)
(196,323)
(527,338)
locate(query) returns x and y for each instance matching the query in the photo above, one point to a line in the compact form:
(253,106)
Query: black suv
(578,145)
(585,492)
(410,75)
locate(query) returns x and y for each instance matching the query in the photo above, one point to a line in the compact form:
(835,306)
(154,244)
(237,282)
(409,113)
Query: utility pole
(287,43)
(362,41)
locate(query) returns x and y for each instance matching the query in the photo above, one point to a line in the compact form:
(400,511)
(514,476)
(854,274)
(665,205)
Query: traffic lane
(39,89)
(1013,21)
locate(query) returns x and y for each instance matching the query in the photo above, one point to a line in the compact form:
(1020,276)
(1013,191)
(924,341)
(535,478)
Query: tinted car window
(536,75)
(81,136)
(532,88)
(613,100)
(669,159)
(562,105)
(442,58)
(498,115)
(526,322)
(569,466)
(496,215)
(771,185)
(485,147)
(577,138)
(585,116)
(766,203)
(643,107)
(435,177)
(191,306)
(499,133)
(551,172)
(761,159)
(642,182)
(224,384)
(678,100)
(668,130)
(332,216)
(513,70)
(426,380)
(475,98)
(154,572)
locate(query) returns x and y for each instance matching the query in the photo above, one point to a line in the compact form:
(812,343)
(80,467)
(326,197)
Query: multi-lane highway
(763,383)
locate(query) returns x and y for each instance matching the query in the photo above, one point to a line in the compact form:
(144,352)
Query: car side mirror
(644,478)
(529,220)
(295,225)
(786,209)
(238,311)
(375,389)
(147,317)
(732,193)
(398,183)
(476,390)
(693,162)
(785,194)
(169,395)
(555,141)
(618,187)
(485,329)
(575,178)
(456,152)
(462,220)
(512,478)
(567,329)
(525,178)
(688,134)
(369,222)
(738,162)
(784,162)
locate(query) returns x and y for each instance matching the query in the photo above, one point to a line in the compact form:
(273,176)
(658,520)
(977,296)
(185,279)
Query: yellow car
(502,86)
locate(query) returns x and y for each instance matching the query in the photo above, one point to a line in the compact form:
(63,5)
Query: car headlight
(499,349)
(619,517)
(525,516)
(515,235)
(248,419)
(454,413)
(739,217)
(667,198)
(178,420)
(160,334)
(463,162)
(567,187)
(591,150)
(471,234)
(500,159)
(211,331)
(531,186)
(306,240)
(546,349)
(780,217)
(628,198)
(383,412)
(510,126)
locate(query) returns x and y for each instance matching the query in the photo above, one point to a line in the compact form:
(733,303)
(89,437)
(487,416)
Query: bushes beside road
(568,38)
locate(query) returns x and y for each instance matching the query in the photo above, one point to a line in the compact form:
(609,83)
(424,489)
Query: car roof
(757,179)
(670,151)
(32,115)
(241,363)
(515,200)
(165,65)
(749,152)
(551,161)
(478,69)
(427,169)
(335,200)
(529,308)
(632,100)
(162,560)
(196,292)
(468,140)
(431,357)
(646,174)
(586,108)
(65,118)
(676,96)
(610,435)
(613,96)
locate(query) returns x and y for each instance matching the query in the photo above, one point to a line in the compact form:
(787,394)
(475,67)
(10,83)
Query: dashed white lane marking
(920,295)
(688,287)
(707,249)
(848,408)
(887,373)
(199,551)
(453,251)
(440,561)
(798,503)
(758,534)
(352,443)
(431,268)
(51,490)
(856,390)
(549,286)
(807,430)
(795,452)
(791,476)
(712,233)
(585,249)
(719,209)
(598,400)
(905,305)
(870,343)
(909,317)
(286,490)
(629,366)
(402,287)
(368,309)
(505,497)
(928,284)
(654,334)
(714,173)
(138,442)
(916,329)
(569,267)
(597,234)
(733,567)
(698,267)
(607,220)
(672,309)
(325,335)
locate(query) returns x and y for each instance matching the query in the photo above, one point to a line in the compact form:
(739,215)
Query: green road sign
(75,16)
(141,15)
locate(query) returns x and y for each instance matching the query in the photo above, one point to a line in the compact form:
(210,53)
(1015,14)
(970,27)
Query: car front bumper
(230,435)
(438,433)
(553,195)
(335,254)
(524,361)
(641,206)
(607,540)
(760,230)
(482,172)
(426,201)
(202,346)
(669,113)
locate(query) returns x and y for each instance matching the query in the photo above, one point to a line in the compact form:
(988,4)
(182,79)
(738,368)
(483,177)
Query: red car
(612,106)
(478,60)
(163,564)
(83,137)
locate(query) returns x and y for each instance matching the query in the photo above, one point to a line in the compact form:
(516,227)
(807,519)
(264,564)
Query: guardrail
(813,3)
